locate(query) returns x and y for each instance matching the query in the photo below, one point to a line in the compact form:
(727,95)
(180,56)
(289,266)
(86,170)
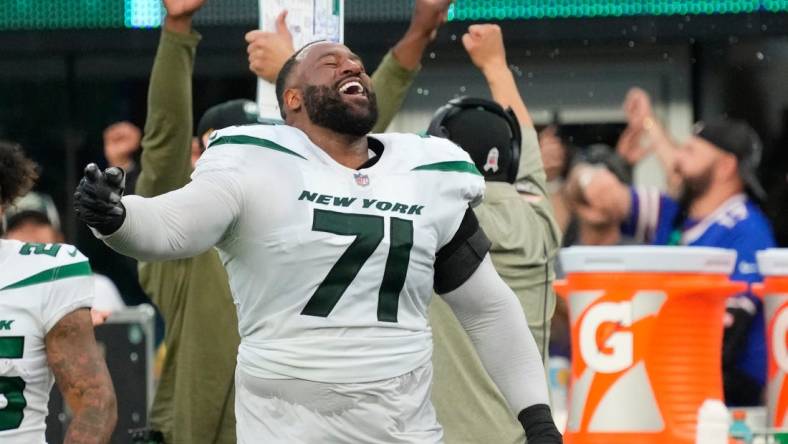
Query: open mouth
(352,88)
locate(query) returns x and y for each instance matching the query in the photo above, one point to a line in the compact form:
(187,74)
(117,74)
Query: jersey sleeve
(649,209)
(70,286)
(444,155)
(187,221)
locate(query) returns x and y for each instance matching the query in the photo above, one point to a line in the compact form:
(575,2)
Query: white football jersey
(331,268)
(39,284)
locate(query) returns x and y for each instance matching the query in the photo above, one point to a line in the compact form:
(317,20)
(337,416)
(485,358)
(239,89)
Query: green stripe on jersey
(249,140)
(12,347)
(459,166)
(53,274)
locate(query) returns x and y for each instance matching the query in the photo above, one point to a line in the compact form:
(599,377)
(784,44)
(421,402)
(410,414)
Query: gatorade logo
(779,346)
(618,347)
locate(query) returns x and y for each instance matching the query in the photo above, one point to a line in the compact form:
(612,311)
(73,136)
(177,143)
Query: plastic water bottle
(740,432)
(713,423)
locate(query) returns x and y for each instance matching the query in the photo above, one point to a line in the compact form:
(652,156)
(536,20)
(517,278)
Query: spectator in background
(33,226)
(524,236)
(121,144)
(716,208)
(193,294)
(230,113)
(587,225)
(557,156)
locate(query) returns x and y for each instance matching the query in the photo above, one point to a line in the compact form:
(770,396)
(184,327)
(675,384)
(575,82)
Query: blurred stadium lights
(61,14)
(537,9)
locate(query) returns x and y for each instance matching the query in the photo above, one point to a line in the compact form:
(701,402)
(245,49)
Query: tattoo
(83,379)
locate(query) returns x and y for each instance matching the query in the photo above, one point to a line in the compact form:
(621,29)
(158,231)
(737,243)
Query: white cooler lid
(655,259)
(773,262)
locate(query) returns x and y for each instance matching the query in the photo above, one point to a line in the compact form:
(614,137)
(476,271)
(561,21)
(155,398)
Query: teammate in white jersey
(333,242)
(46,334)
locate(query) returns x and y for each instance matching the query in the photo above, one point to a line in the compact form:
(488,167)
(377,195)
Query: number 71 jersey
(39,284)
(331,268)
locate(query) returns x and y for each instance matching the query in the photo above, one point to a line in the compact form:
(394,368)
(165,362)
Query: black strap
(460,258)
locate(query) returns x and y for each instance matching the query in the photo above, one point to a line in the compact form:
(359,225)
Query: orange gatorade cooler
(647,325)
(773,265)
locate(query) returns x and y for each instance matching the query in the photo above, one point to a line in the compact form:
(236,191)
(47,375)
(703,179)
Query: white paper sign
(307,20)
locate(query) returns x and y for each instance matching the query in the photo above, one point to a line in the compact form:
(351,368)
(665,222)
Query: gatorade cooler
(647,325)
(773,265)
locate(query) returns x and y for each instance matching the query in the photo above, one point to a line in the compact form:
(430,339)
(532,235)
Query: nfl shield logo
(362,180)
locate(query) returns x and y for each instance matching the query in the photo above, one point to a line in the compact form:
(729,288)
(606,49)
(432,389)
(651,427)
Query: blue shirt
(738,224)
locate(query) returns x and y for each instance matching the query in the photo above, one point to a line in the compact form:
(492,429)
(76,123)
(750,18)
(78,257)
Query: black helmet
(481,127)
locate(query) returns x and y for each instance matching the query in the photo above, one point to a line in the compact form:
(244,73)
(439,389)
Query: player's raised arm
(83,379)
(179,224)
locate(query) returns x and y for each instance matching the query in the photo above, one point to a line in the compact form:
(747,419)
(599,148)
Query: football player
(333,241)
(46,334)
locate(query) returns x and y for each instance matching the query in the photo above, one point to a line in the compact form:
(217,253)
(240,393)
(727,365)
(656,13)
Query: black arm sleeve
(458,259)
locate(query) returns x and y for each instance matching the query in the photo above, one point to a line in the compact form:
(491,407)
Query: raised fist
(637,107)
(428,16)
(182,8)
(484,43)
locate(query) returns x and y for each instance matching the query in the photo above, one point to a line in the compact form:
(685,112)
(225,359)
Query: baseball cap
(230,113)
(33,202)
(740,139)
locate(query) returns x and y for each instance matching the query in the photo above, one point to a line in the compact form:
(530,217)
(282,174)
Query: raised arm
(82,377)
(398,69)
(166,155)
(492,316)
(645,134)
(485,46)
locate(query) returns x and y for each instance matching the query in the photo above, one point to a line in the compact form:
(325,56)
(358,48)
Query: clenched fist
(637,107)
(182,8)
(428,16)
(97,199)
(484,43)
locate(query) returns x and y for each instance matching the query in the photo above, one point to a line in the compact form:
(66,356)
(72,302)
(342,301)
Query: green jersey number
(368,231)
(12,388)
(35,248)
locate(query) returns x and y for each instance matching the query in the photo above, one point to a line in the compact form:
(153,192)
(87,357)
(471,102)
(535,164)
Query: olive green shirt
(194,400)
(525,239)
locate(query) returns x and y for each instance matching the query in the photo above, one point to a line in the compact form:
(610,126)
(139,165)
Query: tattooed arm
(83,378)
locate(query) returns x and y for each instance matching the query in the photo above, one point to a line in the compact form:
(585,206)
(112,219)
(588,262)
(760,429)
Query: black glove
(539,426)
(97,200)
(146,436)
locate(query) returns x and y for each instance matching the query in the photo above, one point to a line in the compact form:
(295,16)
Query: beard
(325,108)
(695,187)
